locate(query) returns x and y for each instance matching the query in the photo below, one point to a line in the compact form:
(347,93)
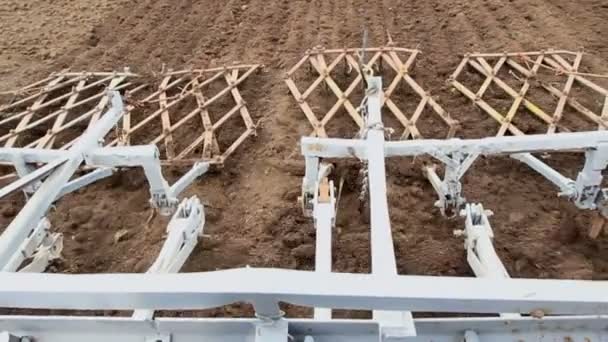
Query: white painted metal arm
(478,236)
(324,213)
(566,185)
(499,145)
(585,191)
(87,179)
(163,196)
(194,173)
(41,245)
(183,231)
(184,291)
(30,155)
(61,172)
(481,255)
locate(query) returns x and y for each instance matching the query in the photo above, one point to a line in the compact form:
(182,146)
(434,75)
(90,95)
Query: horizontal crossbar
(346,291)
(356,148)
(119,329)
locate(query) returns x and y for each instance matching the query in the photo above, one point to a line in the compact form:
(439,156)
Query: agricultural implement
(490,307)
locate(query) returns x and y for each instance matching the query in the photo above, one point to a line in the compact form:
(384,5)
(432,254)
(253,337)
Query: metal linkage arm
(478,236)
(481,255)
(585,191)
(183,231)
(184,291)
(163,196)
(458,155)
(60,172)
(41,245)
(356,148)
(449,189)
(324,213)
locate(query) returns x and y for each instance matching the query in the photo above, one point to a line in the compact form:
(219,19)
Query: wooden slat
(528,104)
(30,113)
(164,117)
(321,68)
(561,104)
(486,107)
(48,140)
(489,79)
(459,68)
(238,99)
(519,98)
(564,64)
(210,145)
(419,109)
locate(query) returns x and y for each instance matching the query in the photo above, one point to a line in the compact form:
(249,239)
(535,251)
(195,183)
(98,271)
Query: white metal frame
(559,309)
(28,235)
(458,155)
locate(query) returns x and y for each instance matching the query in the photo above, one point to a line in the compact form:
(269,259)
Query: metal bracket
(449,189)
(183,231)
(585,191)
(478,237)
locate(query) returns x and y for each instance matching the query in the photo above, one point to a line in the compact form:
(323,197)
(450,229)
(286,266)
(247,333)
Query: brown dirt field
(253,216)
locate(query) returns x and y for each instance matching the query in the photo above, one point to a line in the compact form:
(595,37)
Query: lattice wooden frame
(527,64)
(40,97)
(393,57)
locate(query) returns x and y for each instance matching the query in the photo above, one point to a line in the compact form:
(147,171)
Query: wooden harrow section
(516,76)
(323,65)
(182,112)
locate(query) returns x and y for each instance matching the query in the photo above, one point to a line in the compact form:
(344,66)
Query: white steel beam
(344,148)
(566,185)
(324,213)
(383,263)
(341,291)
(30,155)
(87,179)
(481,255)
(121,329)
(163,196)
(40,245)
(183,231)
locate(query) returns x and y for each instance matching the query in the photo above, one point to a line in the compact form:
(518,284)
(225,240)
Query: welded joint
(478,236)
(589,180)
(183,231)
(23,169)
(315,170)
(272,331)
(41,245)
(49,250)
(449,189)
(162,196)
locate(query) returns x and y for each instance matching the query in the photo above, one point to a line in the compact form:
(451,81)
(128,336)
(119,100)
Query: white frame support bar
(41,245)
(62,170)
(458,155)
(183,232)
(184,291)
(481,255)
(52,181)
(120,329)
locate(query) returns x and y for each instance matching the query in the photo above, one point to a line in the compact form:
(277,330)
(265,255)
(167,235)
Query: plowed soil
(253,217)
